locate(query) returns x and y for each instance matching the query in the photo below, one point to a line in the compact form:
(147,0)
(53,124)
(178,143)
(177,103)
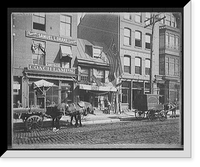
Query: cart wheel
(34,122)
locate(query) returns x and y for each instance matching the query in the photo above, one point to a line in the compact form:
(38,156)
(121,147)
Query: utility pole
(153,20)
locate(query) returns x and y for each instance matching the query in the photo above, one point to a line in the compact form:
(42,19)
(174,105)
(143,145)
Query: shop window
(127,36)
(148,41)
(138,69)
(125,92)
(39,21)
(147,66)
(138,38)
(38,52)
(65,25)
(127,64)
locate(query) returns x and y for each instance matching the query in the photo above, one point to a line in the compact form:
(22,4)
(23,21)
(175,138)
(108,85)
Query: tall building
(170,57)
(44,46)
(133,44)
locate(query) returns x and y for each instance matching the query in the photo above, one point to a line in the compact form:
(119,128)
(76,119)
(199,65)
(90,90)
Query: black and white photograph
(98,81)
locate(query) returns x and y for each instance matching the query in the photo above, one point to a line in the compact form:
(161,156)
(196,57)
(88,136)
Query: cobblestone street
(118,133)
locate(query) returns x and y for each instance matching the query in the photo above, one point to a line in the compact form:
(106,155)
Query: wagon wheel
(34,122)
(162,116)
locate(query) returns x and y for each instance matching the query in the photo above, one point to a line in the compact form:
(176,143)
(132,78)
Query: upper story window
(84,74)
(65,56)
(65,25)
(99,74)
(147,66)
(127,64)
(38,52)
(39,21)
(138,17)
(127,16)
(169,20)
(138,69)
(97,52)
(127,36)
(138,38)
(148,16)
(148,41)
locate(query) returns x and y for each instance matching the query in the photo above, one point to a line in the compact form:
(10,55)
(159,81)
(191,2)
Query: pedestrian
(19,105)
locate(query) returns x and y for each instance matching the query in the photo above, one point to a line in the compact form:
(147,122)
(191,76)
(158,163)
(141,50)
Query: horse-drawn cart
(32,117)
(148,106)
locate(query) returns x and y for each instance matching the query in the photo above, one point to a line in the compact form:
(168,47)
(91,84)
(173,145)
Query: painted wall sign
(50,37)
(50,68)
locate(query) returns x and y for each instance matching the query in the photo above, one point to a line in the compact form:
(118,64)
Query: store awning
(65,51)
(97,88)
(43,83)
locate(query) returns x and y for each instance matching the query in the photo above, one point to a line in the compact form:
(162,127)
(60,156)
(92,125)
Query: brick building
(43,46)
(133,43)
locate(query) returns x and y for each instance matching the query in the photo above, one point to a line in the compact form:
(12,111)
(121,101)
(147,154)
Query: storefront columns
(59,91)
(25,92)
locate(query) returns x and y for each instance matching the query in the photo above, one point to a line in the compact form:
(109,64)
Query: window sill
(138,47)
(126,45)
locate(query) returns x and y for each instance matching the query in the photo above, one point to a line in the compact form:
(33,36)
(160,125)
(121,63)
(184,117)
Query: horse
(172,106)
(55,112)
(76,110)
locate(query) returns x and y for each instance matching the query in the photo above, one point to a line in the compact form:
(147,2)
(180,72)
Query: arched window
(127,64)
(127,36)
(138,38)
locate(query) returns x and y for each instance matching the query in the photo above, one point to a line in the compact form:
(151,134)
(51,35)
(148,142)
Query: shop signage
(50,38)
(50,68)
(97,88)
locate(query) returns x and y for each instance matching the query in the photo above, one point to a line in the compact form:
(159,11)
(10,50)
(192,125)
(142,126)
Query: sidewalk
(97,118)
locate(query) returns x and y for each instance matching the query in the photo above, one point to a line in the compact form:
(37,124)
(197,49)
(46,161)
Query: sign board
(50,38)
(50,68)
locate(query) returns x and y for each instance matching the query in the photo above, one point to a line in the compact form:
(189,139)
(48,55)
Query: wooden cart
(148,106)
(32,117)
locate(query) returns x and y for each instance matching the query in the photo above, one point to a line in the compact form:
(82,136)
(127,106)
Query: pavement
(97,118)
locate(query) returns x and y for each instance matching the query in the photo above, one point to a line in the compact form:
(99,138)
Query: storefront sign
(50,68)
(50,38)
(97,88)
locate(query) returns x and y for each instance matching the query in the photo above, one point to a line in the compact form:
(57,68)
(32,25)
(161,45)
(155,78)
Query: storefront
(130,89)
(96,95)
(63,88)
